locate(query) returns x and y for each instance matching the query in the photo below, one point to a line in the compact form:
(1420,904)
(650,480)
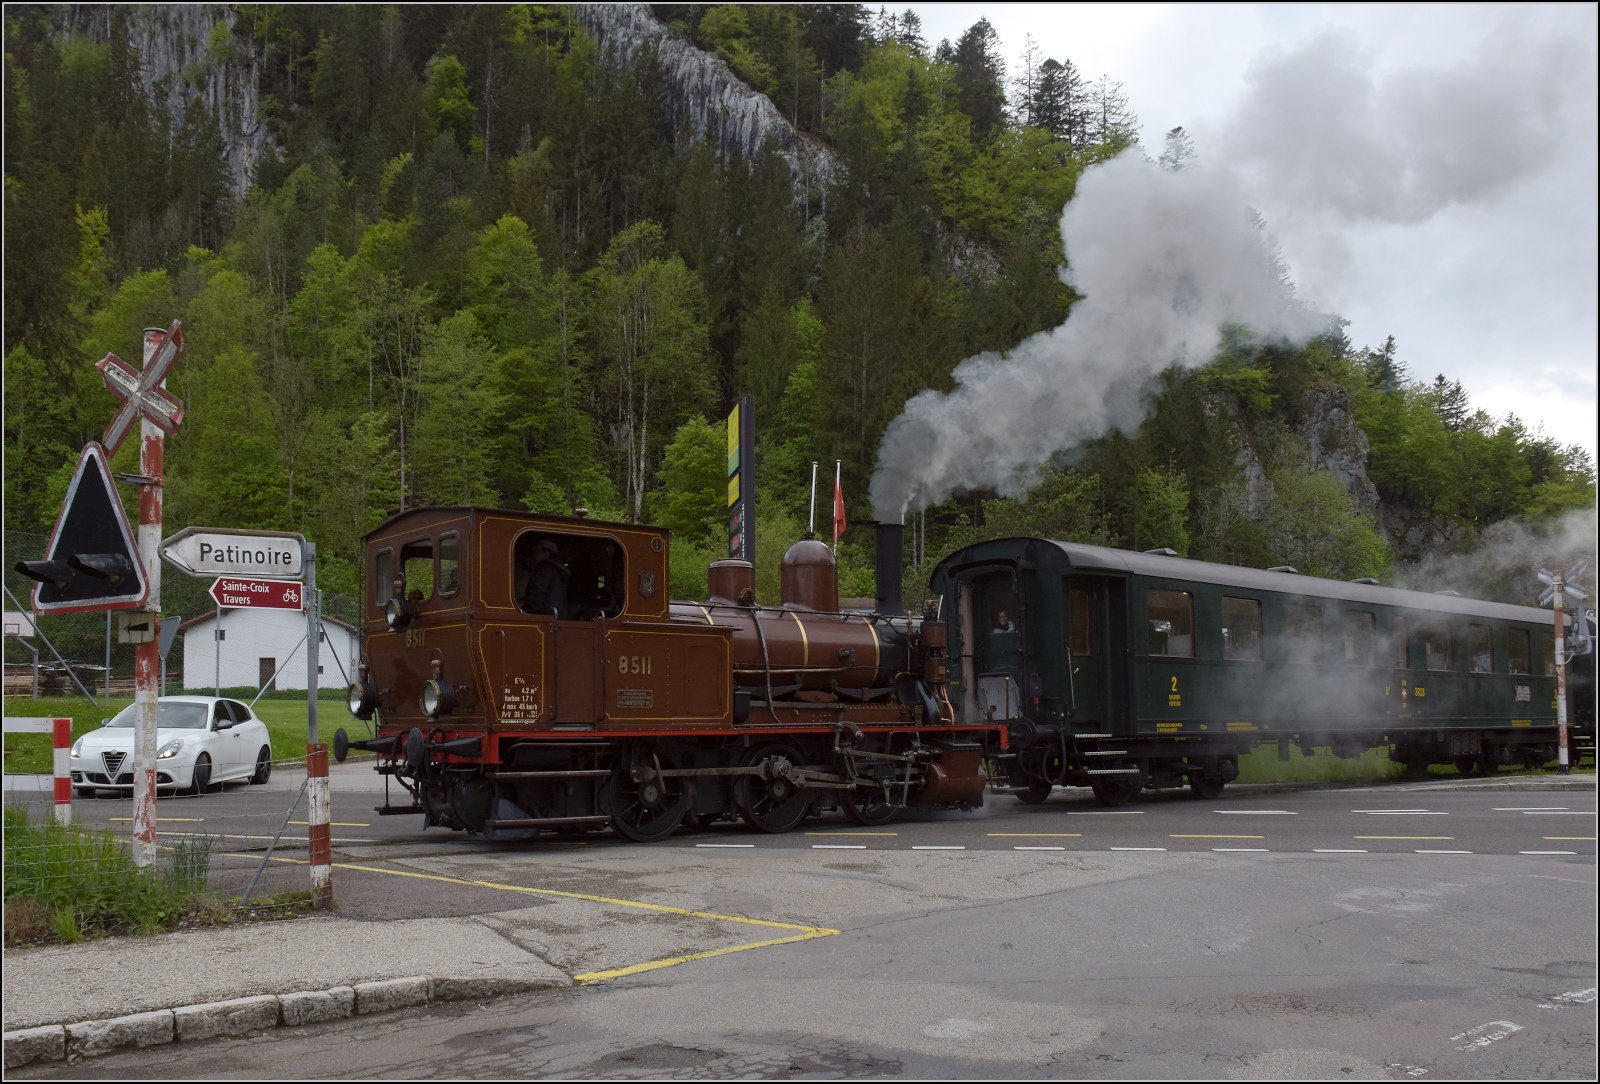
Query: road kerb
(244,1016)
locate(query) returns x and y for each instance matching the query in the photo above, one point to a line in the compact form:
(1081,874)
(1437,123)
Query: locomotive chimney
(891,543)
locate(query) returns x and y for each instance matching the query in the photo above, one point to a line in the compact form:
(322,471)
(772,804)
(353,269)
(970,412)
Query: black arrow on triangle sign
(92,562)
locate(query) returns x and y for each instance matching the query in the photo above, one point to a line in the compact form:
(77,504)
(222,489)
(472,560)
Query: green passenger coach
(1125,671)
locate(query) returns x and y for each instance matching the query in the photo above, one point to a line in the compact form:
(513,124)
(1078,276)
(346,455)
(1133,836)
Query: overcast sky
(1495,288)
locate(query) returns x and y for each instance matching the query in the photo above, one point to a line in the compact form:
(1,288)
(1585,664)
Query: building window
(1171,622)
(1303,624)
(1241,629)
(1079,599)
(1480,649)
(1360,634)
(449,563)
(1519,651)
(1436,646)
(416,563)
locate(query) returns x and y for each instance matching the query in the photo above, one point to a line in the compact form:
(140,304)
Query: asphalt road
(1353,934)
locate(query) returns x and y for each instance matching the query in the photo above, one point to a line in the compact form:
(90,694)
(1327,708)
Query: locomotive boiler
(529,673)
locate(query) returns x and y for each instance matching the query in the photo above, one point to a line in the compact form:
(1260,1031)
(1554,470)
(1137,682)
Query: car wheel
(202,775)
(263,766)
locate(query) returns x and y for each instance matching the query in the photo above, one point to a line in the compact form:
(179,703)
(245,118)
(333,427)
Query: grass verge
(65,883)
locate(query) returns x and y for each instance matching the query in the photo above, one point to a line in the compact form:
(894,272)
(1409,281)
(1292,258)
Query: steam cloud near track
(1163,261)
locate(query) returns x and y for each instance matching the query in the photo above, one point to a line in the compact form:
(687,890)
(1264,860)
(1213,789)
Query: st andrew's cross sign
(141,391)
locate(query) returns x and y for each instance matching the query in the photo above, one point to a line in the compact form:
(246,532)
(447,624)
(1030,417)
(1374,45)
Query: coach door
(1094,630)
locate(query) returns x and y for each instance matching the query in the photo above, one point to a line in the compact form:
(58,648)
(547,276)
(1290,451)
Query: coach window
(1303,624)
(1518,651)
(1480,649)
(1436,646)
(416,565)
(1241,629)
(1360,634)
(384,575)
(1547,651)
(449,563)
(1079,599)
(1171,622)
(1402,644)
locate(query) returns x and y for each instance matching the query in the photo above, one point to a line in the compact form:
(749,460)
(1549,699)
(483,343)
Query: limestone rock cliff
(185,60)
(706,97)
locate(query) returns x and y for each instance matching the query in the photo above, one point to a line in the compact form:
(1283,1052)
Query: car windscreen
(172,717)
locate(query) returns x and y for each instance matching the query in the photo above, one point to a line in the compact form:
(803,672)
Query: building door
(269,674)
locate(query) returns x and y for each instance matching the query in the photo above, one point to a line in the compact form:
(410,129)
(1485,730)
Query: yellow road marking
(1174,836)
(673,961)
(1403,837)
(338,824)
(187,820)
(852,833)
(806,933)
(1037,835)
(1584,839)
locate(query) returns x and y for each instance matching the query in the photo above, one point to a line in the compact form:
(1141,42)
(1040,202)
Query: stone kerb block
(231,1019)
(317,1006)
(389,994)
(94,1038)
(35,1044)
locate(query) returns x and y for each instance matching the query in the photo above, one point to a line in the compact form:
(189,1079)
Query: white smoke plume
(1503,563)
(1163,261)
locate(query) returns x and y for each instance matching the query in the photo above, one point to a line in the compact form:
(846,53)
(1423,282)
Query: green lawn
(285,719)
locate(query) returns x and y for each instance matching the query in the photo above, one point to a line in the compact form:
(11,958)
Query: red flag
(839,523)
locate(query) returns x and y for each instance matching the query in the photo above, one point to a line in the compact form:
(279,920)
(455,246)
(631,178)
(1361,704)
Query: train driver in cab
(1003,622)
(546,592)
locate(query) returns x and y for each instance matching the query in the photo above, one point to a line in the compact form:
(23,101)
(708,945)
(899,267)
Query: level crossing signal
(91,562)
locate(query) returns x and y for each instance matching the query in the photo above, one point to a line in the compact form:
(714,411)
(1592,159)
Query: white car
(201,741)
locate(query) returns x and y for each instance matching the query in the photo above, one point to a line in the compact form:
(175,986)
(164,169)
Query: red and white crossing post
(1563,753)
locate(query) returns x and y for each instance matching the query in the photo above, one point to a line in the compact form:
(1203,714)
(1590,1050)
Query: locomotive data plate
(636,698)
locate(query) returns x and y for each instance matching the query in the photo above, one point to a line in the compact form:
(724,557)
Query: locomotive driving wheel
(1037,792)
(775,802)
(647,810)
(866,806)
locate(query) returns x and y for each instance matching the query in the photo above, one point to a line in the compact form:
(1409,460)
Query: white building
(258,646)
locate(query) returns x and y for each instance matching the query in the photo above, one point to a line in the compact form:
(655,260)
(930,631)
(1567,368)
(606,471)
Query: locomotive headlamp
(438,695)
(361,696)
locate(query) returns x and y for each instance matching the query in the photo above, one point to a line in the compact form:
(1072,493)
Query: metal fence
(78,654)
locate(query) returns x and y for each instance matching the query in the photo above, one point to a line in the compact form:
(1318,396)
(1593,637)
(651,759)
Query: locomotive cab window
(449,563)
(1169,616)
(1480,649)
(1241,629)
(569,577)
(1519,658)
(416,565)
(383,578)
(1360,636)
(1303,626)
(1436,646)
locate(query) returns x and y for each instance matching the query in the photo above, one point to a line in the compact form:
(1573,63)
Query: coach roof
(1102,558)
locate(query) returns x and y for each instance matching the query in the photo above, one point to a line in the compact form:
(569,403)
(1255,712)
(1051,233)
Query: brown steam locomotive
(504,709)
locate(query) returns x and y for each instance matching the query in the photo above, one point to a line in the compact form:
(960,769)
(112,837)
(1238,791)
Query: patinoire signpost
(240,557)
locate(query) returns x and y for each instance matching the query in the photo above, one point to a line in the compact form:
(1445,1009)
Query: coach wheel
(1205,786)
(866,806)
(1488,765)
(777,804)
(1117,790)
(648,811)
(1035,793)
(1466,764)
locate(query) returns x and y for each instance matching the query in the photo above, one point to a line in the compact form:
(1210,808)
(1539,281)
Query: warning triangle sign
(92,562)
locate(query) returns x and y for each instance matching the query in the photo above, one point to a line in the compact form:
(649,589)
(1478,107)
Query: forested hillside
(465,254)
